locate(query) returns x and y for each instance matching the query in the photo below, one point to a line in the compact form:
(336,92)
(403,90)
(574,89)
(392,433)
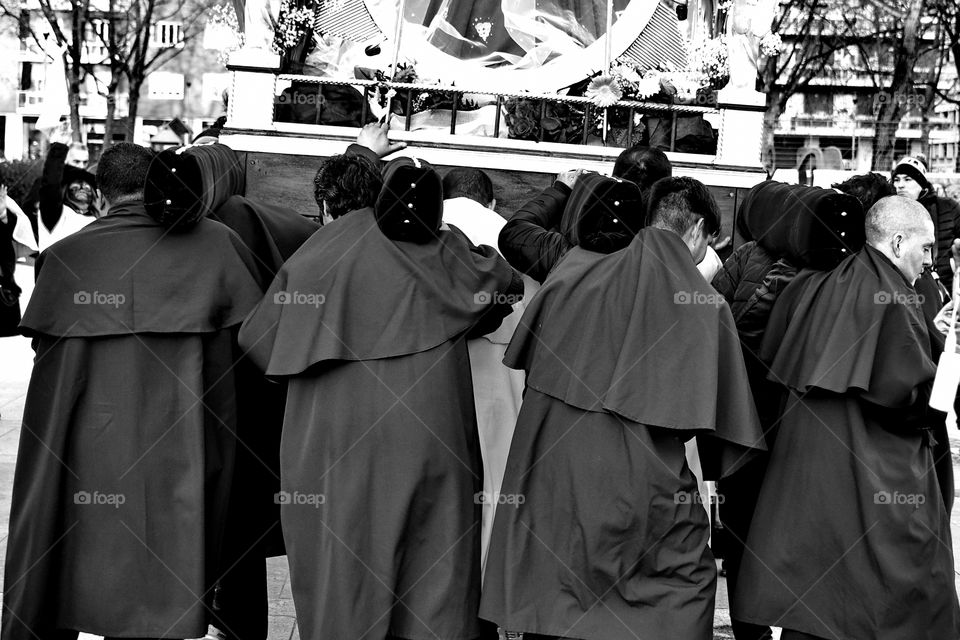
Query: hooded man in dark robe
(538,234)
(787,227)
(600,534)
(380,460)
(128,438)
(850,537)
(208,180)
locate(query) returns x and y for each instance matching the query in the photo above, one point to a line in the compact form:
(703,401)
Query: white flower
(648,86)
(627,73)
(483,29)
(686,84)
(771,44)
(710,58)
(604,90)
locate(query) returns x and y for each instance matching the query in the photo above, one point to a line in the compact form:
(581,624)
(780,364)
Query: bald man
(851,538)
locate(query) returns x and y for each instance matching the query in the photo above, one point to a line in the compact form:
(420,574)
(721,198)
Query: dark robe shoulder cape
(653,324)
(195,282)
(126,446)
(351,293)
(873,340)
(850,537)
(271,232)
(602,536)
(369,335)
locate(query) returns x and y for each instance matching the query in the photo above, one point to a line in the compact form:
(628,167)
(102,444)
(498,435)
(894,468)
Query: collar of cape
(126,274)
(351,293)
(857,328)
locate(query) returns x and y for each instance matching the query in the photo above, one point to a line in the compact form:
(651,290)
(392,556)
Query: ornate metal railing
(622,111)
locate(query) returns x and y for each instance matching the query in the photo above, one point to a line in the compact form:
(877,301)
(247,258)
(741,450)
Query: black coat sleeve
(360,150)
(528,242)
(728,278)
(51,189)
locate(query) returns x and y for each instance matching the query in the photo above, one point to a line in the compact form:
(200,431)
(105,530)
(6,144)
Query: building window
(817,103)
(165,85)
(95,39)
(167,34)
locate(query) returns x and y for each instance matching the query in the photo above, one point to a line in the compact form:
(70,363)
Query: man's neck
(124,202)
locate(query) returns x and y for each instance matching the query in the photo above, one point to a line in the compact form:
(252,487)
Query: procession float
(523,89)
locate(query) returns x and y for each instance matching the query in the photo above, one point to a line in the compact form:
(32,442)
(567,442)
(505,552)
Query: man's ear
(326,218)
(698,228)
(895,241)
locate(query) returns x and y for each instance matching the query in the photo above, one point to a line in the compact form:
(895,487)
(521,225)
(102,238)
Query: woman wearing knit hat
(909,177)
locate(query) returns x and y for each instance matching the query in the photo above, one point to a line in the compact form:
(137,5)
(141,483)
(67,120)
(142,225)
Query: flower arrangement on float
(602,117)
(293,32)
(223,31)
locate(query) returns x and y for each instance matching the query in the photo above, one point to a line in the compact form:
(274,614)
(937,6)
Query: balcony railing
(813,121)
(625,120)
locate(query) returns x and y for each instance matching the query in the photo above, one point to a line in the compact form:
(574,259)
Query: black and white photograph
(479,319)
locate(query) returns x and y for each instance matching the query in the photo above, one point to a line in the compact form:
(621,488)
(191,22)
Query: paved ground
(15,363)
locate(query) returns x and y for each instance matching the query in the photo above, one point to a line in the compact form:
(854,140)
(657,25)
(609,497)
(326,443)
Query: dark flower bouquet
(293,33)
(420,100)
(538,119)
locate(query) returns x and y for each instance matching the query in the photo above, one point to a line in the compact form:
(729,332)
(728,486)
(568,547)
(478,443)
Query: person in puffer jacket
(751,280)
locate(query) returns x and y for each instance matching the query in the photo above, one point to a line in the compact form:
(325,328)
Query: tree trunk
(108,120)
(901,86)
(133,94)
(770,118)
(73,99)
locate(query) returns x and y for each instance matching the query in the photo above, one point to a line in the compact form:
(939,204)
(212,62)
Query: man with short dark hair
(345,183)
(352,180)
(642,165)
(129,431)
(867,188)
(122,172)
(469,205)
(685,207)
(531,241)
(466,182)
(600,534)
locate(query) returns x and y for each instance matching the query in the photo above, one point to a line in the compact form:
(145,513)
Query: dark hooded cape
(850,537)
(380,456)
(809,226)
(127,444)
(627,356)
(377,298)
(272,234)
